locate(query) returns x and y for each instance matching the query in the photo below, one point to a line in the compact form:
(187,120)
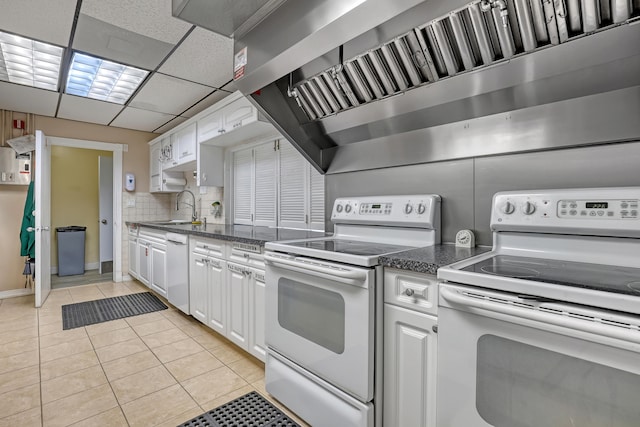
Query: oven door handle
(559,320)
(335,272)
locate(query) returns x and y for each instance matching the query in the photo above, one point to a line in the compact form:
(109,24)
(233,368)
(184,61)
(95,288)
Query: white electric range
(544,330)
(322,295)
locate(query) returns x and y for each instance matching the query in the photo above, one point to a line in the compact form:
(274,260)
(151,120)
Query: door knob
(104,221)
(31,229)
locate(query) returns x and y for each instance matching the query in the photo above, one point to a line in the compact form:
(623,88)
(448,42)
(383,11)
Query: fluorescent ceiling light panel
(103,80)
(29,62)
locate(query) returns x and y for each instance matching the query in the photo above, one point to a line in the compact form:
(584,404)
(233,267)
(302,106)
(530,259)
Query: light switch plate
(131,202)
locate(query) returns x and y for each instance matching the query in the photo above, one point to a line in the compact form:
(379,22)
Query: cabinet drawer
(248,254)
(411,290)
(153,236)
(208,247)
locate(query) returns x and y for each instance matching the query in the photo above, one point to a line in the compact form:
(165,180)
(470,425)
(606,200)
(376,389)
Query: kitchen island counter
(430,258)
(234,233)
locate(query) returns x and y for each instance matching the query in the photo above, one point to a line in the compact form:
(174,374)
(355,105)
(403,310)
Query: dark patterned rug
(103,310)
(248,410)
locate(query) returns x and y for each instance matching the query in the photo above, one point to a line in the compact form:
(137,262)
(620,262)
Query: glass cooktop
(350,247)
(624,280)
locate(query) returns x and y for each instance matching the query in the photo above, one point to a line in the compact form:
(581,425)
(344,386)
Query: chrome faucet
(194,216)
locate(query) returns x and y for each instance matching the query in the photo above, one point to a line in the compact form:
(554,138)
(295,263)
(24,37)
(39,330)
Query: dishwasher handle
(179,239)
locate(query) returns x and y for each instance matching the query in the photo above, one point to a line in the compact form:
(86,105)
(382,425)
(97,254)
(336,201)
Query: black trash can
(71,250)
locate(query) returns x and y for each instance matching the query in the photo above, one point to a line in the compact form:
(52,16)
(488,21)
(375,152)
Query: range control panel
(414,210)
(592,209)
(598,211)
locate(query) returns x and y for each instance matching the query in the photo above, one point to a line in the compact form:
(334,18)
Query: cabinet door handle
(434,328)
(409,292)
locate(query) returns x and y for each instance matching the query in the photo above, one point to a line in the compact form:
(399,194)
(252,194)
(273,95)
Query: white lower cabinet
(227,291)
(133,256)
(158,279)
(144,264)
(217,285)
(257,346)
(410,349)
(237,302)
(198,294)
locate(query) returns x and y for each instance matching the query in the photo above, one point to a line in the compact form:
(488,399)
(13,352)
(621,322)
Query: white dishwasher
(178,271)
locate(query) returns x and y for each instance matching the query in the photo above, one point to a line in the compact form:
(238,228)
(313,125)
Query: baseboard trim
(12,293)
(89,266)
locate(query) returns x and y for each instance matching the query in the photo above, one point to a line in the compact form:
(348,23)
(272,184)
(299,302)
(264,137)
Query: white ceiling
(190,67)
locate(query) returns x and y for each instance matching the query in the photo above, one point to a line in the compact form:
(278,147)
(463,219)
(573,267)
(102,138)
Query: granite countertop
(430,258)
(236,233)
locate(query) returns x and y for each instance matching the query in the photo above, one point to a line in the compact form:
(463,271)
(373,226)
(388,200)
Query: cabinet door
(243,187)
(198,295)
(216,283)
(159,269)
(265,185)
(133,257)
(257,345)
(167,152)
(292,194)
(186,144)
(210,167)
(209,126)
(237,299)
(238,114)
(144,273)
(410,352)
(315,198)
(155,164)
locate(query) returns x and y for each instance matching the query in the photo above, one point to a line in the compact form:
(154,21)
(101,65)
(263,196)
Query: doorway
(44,245)
(78,178)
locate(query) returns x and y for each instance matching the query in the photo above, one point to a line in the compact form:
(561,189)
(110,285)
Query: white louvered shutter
(265,185)
(316,199)
(242,187)
(292,195)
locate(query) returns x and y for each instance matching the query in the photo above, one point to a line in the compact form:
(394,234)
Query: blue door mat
(248,410)
(103,310)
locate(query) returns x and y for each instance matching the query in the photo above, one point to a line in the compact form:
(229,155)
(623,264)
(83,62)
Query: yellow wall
(135,160)
(12,198)
(74,196)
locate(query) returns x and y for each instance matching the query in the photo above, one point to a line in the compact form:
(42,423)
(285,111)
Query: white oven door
(504,361)
(321,316)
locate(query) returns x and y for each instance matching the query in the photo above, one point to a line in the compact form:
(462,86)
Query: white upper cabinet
(182,154)
(238,121)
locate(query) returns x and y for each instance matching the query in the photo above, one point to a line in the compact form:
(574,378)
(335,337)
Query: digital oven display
(597,205)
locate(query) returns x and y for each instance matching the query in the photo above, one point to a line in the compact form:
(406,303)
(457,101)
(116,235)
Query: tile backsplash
(139,206)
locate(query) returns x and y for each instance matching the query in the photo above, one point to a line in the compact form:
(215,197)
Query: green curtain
(28,238)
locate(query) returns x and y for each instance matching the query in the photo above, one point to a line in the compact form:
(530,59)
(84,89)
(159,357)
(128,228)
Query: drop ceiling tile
(151,18)
(168,126)
(48,21)
(134,118)
(166,94)
(87,110)
(108,41)
(204,57)
(27,99)
(205,103)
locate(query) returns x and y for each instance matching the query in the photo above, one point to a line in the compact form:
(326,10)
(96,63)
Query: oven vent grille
(481,34)
(567,310)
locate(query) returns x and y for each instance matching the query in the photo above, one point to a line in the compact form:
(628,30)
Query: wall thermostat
(129,182)
(465,239)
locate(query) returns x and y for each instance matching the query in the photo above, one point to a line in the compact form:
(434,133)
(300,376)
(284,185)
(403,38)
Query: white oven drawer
(415,291)
(317,402)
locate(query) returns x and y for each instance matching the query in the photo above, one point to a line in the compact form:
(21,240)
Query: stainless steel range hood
(335,76)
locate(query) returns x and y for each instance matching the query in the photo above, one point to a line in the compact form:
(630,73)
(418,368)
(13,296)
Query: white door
(237,315)
(216,283)
(198,287)
(105,208)
(257,345)
(158,281)
(43,218)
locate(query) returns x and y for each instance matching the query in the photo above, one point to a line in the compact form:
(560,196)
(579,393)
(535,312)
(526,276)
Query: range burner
(510,271)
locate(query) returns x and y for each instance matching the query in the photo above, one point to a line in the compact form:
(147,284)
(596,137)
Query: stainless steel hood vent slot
(478,35)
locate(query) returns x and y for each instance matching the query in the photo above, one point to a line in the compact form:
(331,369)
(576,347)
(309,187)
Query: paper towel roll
(175,181)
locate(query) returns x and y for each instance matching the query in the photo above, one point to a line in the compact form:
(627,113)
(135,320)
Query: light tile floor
(157,369)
